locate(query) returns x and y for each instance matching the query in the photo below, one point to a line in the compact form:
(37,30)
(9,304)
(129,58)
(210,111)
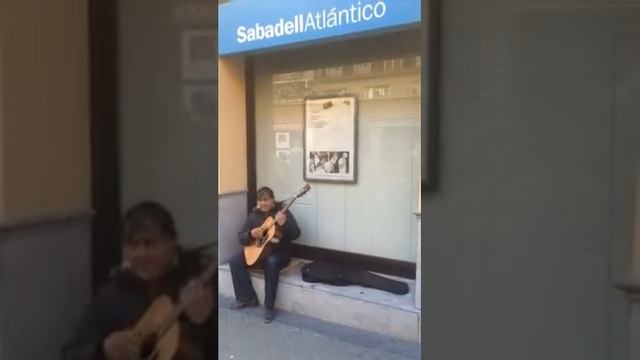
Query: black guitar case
(342,275)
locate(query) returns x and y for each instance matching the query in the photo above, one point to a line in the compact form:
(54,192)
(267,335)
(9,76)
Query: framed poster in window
(330,133)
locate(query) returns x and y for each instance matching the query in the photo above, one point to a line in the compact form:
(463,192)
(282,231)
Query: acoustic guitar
(157,334)
(268,230)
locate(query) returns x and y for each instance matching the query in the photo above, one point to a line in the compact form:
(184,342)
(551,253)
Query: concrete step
(355,306)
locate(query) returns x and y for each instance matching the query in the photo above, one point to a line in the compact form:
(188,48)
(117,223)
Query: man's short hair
(265,191)
(148,215)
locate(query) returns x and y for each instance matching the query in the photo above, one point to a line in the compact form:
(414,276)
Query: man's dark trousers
(271,264)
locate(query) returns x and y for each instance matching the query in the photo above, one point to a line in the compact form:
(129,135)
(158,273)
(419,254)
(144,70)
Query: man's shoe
(269,315)
(240,304)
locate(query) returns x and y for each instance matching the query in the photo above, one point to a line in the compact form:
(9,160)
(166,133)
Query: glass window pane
(375,215)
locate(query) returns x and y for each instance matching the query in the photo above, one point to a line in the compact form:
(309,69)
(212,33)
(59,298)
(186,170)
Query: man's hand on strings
(198,301)
(256,233)
(281,218)
(118,345)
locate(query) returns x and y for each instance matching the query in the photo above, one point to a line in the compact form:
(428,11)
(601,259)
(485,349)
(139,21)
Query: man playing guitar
(272,261)
(153,265)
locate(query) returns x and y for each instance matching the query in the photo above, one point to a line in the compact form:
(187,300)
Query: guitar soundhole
(148,345)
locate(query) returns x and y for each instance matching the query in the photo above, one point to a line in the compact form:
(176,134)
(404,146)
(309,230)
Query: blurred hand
(199,301)
(281,218)
(118,345)
(256,233)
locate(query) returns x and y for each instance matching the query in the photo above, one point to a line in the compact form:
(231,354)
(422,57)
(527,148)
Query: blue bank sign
(248,25)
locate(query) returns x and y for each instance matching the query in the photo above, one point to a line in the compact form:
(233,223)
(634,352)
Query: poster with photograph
(330,131)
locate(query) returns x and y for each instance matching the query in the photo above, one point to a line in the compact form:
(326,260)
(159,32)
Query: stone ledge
(354,306)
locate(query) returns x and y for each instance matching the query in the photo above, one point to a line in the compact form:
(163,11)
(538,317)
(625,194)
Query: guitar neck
(293,199)
(289,203)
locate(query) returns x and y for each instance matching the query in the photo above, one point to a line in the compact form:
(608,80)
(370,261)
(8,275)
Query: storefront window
(373,216)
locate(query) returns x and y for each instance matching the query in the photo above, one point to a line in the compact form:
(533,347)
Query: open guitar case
(343,275)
